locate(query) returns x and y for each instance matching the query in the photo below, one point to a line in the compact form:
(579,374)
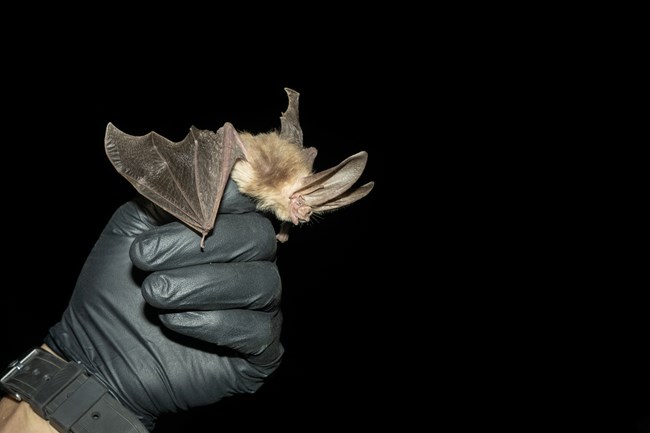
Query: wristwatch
(63,393)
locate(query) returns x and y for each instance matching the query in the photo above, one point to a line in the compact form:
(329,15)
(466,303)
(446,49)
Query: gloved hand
(183,327)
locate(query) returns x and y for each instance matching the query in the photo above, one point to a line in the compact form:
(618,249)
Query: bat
(187,178)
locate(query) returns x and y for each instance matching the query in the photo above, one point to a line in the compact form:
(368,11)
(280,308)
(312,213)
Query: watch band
(65,395)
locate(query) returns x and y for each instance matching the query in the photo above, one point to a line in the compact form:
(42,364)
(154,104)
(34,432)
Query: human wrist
(18,416)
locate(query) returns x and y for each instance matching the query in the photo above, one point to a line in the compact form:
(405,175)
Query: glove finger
(215,286)
(245,331)
(244,237)
(135,217)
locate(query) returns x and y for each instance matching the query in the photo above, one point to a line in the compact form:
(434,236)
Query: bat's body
(272,172)
(188,178)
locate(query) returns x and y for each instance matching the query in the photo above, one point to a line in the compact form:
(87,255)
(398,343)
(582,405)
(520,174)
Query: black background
(460,291)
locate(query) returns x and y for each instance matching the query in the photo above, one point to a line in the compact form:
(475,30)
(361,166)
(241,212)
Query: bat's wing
(290,128)
(185,178)
(290,121)
(330,189)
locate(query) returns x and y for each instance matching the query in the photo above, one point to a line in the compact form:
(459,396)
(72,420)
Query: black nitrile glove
(167,326)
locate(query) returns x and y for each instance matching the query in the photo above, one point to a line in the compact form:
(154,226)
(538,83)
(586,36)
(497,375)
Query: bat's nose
(300,212)
(304,214)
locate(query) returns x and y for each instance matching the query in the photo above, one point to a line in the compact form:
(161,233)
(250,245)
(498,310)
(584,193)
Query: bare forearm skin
(18,417)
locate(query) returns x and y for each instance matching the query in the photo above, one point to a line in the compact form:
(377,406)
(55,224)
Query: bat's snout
(302,215)
(300,211)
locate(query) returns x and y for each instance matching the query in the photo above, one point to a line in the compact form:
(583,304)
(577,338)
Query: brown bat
(187,178)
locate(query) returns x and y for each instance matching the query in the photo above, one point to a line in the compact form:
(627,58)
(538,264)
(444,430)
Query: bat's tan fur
(271,172)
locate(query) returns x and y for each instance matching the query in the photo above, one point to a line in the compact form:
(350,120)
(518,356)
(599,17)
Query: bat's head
(326,190)
(319,192)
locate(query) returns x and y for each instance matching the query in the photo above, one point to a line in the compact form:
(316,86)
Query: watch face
(17,366)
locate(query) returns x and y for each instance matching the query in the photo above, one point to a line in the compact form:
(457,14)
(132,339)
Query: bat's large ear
(330,189)
(290,121)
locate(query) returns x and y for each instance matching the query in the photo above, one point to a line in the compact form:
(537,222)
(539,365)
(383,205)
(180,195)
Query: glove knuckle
(156,290)
(271,294)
